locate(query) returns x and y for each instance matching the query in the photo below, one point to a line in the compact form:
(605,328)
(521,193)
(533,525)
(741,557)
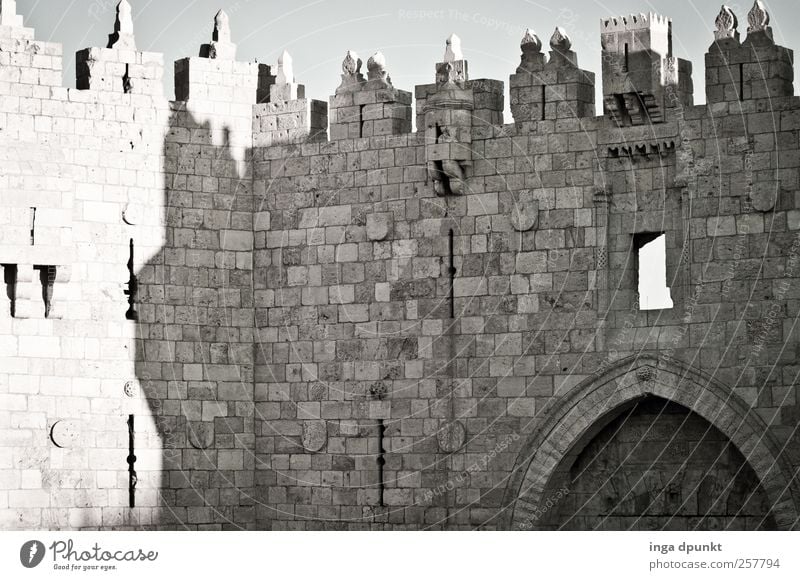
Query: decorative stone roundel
(764,196)
(524,214)
(201,434)
(377,226)
(645,374)
(315,435)
(451,437)
(131,389)
(132,214)
(318,391)
(378,390)
(65,434)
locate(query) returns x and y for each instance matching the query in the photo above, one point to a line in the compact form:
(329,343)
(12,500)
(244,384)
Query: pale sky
(410,33)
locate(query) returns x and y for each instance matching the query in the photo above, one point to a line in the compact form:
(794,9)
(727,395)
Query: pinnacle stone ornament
(726,24)
(560,41)
(452,51)
(221,46)
(122,38)
(285,72)
(351,65)
(530,41)
(757,18)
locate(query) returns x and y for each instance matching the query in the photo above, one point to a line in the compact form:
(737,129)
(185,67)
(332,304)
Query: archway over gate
(574,420)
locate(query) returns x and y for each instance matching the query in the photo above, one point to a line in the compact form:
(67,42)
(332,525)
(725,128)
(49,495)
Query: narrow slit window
(625,65)
(33,226)
(47,278)
(133,287)
(10,280)
(741,81)
(127,85)
(651,270)
(544,102)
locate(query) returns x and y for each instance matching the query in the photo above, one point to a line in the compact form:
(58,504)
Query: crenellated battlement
(633,22)
(641,77)
(239,306)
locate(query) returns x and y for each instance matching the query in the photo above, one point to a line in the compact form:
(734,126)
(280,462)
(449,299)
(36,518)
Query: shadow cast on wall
(194,346)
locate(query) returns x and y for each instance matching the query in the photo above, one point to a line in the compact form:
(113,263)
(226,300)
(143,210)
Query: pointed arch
(572,420)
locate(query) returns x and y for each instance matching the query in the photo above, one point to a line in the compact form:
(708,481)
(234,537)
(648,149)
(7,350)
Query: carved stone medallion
(315,435)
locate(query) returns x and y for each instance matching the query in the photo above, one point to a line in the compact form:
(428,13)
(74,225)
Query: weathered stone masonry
(246,308)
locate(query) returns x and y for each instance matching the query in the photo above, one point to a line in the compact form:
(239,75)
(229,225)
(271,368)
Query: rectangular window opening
(651,271)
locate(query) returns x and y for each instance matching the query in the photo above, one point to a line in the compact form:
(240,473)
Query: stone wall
(385,329)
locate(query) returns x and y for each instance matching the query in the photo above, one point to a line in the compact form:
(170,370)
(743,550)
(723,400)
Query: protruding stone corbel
(28,302)
(448,123)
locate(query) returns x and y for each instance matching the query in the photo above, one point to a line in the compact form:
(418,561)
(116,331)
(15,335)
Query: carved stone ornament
(758,17)
(315,435)
(285,72)
(764,195)
(132,214)
(221,46)
(645,374)
(524,214)
(201,434)
(378,225)
(376,65)
(726,24)
(318,391)
(451,437)
(131,389)
(65,434)
(122,37)
(351,64)
(530,42)
(222,27)
(560,42)
(378,390)
(452,50)
(448,176)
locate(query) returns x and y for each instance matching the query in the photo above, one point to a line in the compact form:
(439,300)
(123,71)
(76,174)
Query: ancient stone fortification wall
(304,315)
